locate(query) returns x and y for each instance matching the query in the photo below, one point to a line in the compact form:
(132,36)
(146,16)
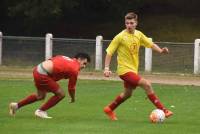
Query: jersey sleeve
(146,42)
(113,45)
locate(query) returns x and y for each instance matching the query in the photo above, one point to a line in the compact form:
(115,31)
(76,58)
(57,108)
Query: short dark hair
(82,56)
(131,15)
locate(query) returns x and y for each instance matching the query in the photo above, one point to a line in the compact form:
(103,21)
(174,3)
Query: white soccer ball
(157,116)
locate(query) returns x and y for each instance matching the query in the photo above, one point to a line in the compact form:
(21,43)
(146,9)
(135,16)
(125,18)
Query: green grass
(86,116)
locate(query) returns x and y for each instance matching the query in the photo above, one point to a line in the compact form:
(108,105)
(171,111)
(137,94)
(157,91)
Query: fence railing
(28,51)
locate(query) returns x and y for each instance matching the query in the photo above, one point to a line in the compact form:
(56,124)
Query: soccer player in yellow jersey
(127,44)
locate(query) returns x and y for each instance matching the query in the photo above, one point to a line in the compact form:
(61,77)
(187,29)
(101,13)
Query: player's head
(131,21)
(83,59)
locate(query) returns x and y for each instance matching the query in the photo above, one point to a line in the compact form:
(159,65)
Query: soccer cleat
(13,108)
(168,113)
(110,113)
(42,114)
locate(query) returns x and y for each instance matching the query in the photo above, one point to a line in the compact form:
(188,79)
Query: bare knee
(40,97)
(146,85)
(60,93)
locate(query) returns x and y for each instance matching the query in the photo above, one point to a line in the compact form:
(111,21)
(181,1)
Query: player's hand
(164,50)
(107,72)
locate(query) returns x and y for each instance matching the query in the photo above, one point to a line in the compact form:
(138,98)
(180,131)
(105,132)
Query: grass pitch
(85,116)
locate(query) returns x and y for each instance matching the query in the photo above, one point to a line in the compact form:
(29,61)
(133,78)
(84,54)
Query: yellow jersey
(127,46)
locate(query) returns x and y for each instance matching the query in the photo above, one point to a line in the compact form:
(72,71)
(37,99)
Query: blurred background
(169,20)
(76,23)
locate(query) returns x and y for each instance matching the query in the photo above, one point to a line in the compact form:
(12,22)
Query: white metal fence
(29,51)
(180,59)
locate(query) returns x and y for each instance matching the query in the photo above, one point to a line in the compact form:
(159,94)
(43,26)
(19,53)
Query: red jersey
(65,68)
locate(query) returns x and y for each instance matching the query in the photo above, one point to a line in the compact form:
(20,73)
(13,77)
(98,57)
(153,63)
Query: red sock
(116,102)
(154,99)
(28,100)
(50,103)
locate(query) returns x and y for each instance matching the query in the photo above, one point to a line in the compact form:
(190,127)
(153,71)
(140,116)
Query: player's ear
(136,22)
(78,59)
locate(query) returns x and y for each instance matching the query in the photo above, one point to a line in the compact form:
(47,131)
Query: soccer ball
(157,116)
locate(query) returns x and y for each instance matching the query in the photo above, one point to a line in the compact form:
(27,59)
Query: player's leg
(146,85)
(59,94)
(109,110)
(120,98)
(41,112)
(14,106)
(130,83)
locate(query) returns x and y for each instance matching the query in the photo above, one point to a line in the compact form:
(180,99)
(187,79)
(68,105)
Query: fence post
(148,59)
(197,56)
(99,47)
(1,41)
(48,46)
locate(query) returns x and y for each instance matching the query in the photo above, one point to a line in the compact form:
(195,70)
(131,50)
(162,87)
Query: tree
(34,9)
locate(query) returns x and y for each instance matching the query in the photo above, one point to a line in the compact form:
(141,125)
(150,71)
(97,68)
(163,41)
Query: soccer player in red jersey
(46,75)
(127,44)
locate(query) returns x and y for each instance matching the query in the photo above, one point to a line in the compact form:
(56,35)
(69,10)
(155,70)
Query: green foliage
(40,9)
(37,17)
(35,9)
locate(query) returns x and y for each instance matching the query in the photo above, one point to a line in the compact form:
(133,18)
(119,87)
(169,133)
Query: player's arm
(163,50)
(148,43)
(72,87)
(110,51)
(107,71)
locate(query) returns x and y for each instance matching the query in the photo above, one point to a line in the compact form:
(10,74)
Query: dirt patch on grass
(173,79)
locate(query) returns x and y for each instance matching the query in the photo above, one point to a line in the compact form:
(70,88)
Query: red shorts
(130,79)
(44,82)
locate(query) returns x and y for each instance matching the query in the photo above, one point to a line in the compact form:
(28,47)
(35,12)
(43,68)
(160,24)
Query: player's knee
(145,84)
(40,97)
(148,84)
(61,93)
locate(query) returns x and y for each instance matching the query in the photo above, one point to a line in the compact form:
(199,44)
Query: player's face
(130,24)
(83,63)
